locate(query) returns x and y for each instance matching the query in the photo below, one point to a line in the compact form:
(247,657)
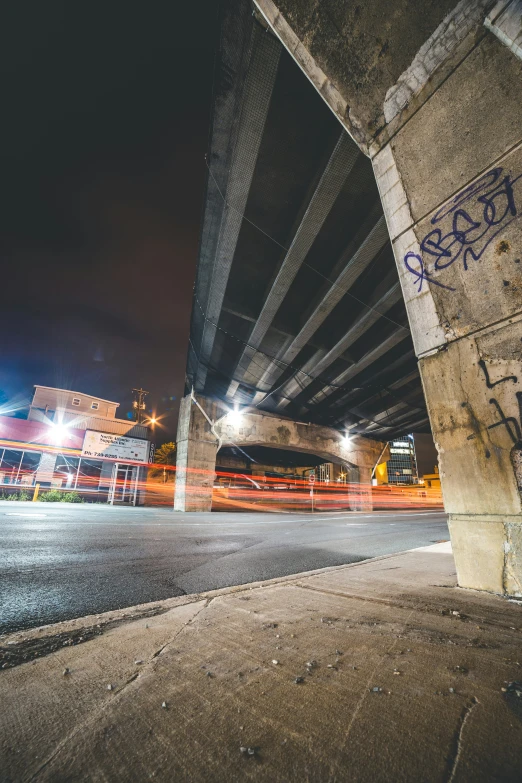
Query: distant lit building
(402,465)
(73,441)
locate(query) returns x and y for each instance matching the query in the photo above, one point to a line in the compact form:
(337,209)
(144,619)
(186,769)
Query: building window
(95,405)
(324,473)
(76,401)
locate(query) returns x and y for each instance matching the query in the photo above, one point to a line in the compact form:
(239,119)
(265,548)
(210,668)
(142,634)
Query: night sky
(105,114)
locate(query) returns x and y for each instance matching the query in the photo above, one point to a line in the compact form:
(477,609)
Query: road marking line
(26,515)
(443,548)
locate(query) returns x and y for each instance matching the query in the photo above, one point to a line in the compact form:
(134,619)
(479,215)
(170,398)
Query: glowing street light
(235,416)
(60,431)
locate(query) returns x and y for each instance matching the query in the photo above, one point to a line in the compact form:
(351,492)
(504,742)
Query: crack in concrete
(160,650)
(457,741)
(367,690)
(435,610)
(350,596)
(29,649)
(94,717)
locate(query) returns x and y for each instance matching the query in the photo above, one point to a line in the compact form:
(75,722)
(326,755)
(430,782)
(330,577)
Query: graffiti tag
(509,422)
(465,227)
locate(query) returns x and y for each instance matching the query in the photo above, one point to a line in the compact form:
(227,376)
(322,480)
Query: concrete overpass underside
(297,305)
(361,231)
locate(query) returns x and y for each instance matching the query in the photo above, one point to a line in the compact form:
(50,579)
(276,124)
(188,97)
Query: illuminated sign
(106,445)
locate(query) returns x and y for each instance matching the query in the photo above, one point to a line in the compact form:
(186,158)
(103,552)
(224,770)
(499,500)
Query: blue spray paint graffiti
(465,227)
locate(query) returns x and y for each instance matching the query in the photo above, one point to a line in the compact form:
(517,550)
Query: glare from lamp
(235,416)
(346,441)
(59,432)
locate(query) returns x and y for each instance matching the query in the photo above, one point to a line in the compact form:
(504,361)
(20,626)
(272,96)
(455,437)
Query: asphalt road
(62,561)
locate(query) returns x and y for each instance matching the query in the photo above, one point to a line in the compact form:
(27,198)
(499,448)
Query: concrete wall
(263,429)
(433,93)
(200,436)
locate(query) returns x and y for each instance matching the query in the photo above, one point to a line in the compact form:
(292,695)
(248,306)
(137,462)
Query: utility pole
(139,404)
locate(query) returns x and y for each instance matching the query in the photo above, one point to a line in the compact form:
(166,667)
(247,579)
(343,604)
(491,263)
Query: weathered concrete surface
(445,141)
(441,656)
(445,146)
(506,26)
(196,450)
(360,49)
(258,429)
(474,383)
(199,441)
(474,405)
(467,386)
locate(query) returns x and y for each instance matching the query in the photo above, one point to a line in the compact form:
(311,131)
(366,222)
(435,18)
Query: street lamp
(235,416)
(59,431)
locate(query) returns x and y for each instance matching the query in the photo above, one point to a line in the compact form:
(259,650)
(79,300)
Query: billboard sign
(107,445)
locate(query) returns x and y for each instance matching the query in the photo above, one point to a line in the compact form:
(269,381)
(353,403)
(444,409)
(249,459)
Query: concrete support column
(359,476)
(451,192)
(196,451)
(365,488)
(441,120)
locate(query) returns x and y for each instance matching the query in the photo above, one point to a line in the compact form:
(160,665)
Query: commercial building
(73,441)
(413,460)
(402,466)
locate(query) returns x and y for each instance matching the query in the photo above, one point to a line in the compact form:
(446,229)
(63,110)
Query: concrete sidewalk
(376,671)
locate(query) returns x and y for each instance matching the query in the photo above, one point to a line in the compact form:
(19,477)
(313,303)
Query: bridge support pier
(361,477)
(451,195)
(196,450)
(438,109)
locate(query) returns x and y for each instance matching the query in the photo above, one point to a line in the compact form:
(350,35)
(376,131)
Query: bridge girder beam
(256,94)
(328,188)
